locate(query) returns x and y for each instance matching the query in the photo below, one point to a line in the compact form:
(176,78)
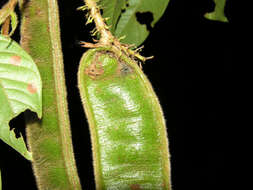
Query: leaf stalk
(7,9)
(107,39)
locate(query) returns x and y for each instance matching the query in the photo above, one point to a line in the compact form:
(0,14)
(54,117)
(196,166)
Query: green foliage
(112,10)
(121,17)
(49,139)
(218,13)
(20,89)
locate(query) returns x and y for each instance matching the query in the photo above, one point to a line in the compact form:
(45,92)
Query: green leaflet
(124,23)
(20,89)
(112,10)
(218,13)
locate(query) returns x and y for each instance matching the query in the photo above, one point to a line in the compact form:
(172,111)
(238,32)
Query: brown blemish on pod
(123,68)
(15,60)
(108,53)
(93,71)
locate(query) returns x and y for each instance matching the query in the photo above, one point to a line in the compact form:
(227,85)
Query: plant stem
(7,9)
(102,28)
(50,138)
(6,26)
(107,39)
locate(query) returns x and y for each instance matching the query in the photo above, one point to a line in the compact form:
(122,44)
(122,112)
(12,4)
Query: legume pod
(128,132)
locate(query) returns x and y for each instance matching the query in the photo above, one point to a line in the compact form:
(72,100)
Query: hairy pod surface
(128,132)
(49,139)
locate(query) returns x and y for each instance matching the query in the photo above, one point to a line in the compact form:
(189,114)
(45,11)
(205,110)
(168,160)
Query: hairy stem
(106,36)
(6,26)
(7,9)
(107,39)
(50,138)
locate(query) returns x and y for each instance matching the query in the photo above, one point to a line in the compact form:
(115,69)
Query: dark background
(194,73)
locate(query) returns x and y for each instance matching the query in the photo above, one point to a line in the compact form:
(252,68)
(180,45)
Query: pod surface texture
(128,133)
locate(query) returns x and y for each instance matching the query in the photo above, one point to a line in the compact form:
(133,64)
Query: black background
(194,73)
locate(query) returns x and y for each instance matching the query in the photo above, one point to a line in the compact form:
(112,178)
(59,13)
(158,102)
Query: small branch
(102,28)
(6,26)
(6,10)
(107,39)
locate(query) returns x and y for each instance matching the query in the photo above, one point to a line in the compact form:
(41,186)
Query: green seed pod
(128,133)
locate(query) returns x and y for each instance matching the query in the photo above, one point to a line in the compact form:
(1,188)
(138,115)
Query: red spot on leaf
(15,60)
(31,88)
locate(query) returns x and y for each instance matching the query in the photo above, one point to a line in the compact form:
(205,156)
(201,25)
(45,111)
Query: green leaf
(123,18)
(218,13)
(20,89)
(112,10)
